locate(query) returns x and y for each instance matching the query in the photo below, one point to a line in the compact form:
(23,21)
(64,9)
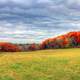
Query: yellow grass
(57,64)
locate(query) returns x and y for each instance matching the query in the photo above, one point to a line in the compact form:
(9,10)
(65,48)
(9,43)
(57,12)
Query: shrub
(9,47)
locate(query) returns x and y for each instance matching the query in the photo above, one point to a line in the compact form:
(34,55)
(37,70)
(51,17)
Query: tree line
(69,40)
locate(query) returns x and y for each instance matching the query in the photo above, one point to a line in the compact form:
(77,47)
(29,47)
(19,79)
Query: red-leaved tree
(8,47)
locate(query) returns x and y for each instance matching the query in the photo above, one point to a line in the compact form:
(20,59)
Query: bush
(9,47)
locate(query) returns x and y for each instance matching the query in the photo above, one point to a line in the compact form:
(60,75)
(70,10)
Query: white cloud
(73,1)
(34,20)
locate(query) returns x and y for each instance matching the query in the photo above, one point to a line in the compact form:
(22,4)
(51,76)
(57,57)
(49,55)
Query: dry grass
(57,64)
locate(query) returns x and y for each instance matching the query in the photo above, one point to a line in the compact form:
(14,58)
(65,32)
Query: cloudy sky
(31,21)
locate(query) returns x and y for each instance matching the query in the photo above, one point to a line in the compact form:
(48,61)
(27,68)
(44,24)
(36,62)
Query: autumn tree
(8,47)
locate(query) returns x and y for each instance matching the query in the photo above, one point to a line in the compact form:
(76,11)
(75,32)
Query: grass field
(58,64)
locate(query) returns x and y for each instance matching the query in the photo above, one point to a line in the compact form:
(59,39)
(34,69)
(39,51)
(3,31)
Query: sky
(29,21)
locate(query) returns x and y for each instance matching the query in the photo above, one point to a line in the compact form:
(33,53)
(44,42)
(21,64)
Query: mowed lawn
(57,64)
